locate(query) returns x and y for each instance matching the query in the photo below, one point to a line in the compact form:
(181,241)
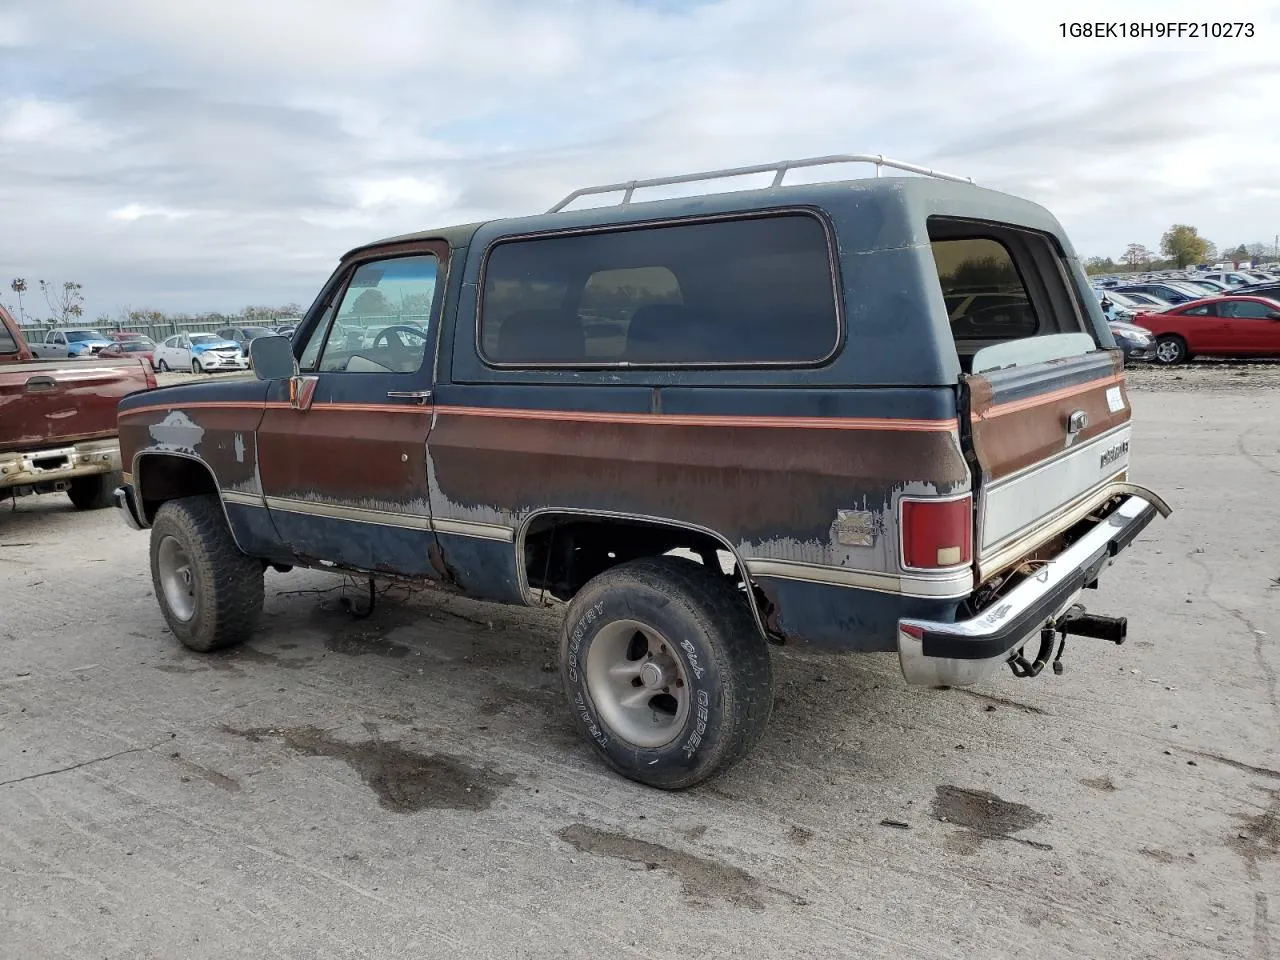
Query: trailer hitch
(1075,622)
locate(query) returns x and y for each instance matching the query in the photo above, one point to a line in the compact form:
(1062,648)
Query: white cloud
(13,29)
(206,155)
(35,121)
(136,211)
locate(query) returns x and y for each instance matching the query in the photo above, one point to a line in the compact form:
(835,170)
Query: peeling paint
(177,433)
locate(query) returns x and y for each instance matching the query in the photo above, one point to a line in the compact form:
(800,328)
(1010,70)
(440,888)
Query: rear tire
(96,492)
(1170,350)
(209,592)
(162,367)
(666,671)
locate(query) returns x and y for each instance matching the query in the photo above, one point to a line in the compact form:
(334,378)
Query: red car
(135,345)
(1230,326)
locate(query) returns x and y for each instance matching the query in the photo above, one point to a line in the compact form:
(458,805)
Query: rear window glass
(985,296)
(757,290)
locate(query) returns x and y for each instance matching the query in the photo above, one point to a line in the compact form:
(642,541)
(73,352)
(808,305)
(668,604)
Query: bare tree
(65,300)
(1136,255)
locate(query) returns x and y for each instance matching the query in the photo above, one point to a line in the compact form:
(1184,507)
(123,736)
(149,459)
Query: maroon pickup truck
(58,421)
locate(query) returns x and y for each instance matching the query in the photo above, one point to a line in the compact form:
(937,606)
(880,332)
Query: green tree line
(1181,246)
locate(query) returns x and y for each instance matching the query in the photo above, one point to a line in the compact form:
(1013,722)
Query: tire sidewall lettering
(700,671)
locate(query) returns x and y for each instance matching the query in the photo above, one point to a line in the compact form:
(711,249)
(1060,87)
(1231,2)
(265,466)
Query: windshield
(205,338)
(80,336)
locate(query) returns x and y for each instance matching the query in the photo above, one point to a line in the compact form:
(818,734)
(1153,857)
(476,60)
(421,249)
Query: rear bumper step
(935,653)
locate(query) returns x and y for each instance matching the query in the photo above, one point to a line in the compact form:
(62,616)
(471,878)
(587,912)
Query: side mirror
(272,358)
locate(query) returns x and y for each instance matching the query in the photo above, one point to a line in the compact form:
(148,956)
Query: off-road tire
(227,584)
(712,631)
(96,492)
(1175,348)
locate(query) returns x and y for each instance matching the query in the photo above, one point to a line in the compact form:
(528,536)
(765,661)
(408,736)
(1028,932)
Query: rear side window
(726,292)
(1002,285)
(985,296)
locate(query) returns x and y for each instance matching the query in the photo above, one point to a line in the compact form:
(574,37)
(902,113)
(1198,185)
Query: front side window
(7,342)
(726,292)
(1247,310)
(382,321)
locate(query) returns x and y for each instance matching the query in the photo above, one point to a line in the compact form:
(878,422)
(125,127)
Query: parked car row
(194,351)
(1220,313)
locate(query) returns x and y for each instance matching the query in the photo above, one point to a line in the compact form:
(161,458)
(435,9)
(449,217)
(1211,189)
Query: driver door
(342,446)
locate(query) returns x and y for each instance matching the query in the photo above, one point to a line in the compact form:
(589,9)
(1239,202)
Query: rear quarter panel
(1195,330)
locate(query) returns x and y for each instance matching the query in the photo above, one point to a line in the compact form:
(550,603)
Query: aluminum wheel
(177,578)
(1169,351)
(638,683)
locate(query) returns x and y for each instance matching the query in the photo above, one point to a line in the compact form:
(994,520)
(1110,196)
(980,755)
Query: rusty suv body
(778,382)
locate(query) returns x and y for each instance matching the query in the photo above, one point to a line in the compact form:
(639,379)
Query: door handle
(41,383)
(422,396)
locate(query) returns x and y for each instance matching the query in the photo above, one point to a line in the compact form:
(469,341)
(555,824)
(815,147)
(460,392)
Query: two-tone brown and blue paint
(799,474)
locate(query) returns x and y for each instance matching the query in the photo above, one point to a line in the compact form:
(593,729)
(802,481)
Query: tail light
(937,533)
(150,373)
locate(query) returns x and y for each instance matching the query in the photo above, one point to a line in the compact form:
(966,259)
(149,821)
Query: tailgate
(45,402)
(1048,438)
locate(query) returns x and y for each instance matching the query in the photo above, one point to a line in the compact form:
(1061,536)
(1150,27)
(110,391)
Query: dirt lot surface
(410,786)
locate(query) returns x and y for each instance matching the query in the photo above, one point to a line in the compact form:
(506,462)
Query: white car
(199,353)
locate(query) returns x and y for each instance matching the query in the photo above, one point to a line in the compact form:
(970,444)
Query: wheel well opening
(564,551)
(163,478)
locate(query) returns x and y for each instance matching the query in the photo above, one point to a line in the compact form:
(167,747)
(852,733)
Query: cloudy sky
(209,154)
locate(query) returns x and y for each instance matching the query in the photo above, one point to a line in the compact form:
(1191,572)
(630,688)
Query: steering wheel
(384,336)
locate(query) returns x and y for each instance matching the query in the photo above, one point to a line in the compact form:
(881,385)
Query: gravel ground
(1218,376)
(410,785)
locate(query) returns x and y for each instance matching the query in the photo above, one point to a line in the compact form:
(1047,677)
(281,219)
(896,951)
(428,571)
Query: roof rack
(779,170)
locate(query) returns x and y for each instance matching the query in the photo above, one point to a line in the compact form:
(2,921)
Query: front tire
(209,592)
(195,367)
(665,671)
(1171,350)
(96,492)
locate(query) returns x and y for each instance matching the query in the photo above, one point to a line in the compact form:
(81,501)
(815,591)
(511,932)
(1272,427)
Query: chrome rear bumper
(935,653)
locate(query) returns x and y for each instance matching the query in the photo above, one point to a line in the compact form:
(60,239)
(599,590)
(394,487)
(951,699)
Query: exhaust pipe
(1112,629)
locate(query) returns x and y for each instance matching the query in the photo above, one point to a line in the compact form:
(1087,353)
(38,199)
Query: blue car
(69,342)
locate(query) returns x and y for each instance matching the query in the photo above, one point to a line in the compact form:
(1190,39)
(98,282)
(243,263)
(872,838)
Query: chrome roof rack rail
(779,170)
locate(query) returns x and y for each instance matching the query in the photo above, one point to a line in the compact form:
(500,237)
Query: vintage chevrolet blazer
(878,415)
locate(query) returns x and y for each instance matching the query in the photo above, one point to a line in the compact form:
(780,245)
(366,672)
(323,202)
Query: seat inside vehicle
(539,336)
